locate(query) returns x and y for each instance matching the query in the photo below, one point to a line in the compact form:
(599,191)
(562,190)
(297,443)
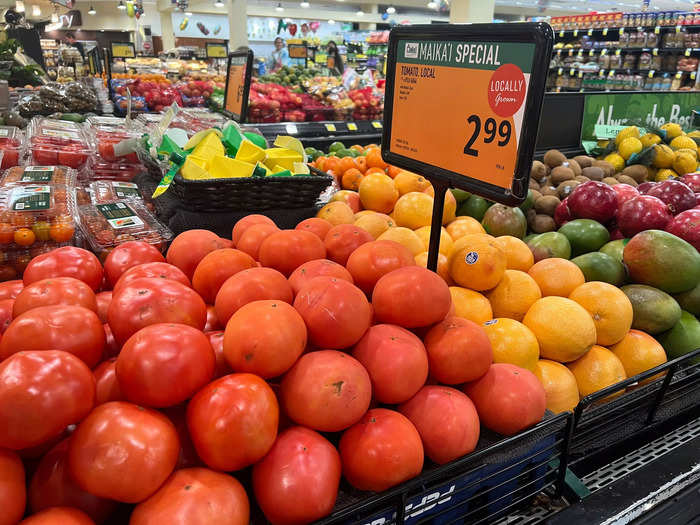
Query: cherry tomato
(24,237)
(62,231)
(72,156)
(123,452)
(106,384)
(128,255)
(45,155)
(188,455)
(157,270)
(7,233)
(41,393)
(67,261)
(195,496)
(13,494)
(10,158)
(49,292)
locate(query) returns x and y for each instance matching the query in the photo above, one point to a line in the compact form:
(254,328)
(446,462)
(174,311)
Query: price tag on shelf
(693,74)
(617,52)
(611,73)
(571,72)
(561,34)
(560,71)
(688,51)
(605,31)
(123,50)
(622,31)
(580,53)
(657,30)
(601,73)
(352,126)
(575,32)
(679,75)
(590,32)
(580,74)
(330,127)
(376,124)
(603,52)
(655,51)
(571,52)
(291,129)
(591,53)
(483,140)
(559,52)
(678,29)
(651,73)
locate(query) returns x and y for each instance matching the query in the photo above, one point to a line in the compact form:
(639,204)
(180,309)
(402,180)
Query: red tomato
(315,225)
(58,516)
(372,260)
(111,346)
(106,384)
(52,486)
(344,239)
(13,494)
(45,156)
(380,451)
(10,158)
(6,306)
(72,155)
(217,266)
(246,222)
(458,350)
(41,393)
(256,284)
(254,236)
(55,291)
(148,301)
(212,321)
(297,481)
(286,250)
(396,361)
(446,420)
(164,364)
(11,289)
(411,297)
(128,255)
(326,390)
(508,398)
(68,261)
(195,496)
(264,338)
(188,455)
(336,312)
(190,247)
(73,329)
(228,439)
(317,268)
(156,270)
(216,340)
(103,299)
(123,452)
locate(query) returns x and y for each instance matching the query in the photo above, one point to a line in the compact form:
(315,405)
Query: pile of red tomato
(145,385)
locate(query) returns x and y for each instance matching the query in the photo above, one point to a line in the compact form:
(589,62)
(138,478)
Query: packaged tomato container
(11,146)
(102,191)
(32,214)
(106,122)
(110,224)
(100,170)
(58,142)
(61,175)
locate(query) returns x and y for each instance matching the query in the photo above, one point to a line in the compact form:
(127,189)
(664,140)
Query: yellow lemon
(650,139)
(629,147)
(672,130)
(631,131)
(664,174)
(682,142)
(616,160)
(663,156)
(684,163)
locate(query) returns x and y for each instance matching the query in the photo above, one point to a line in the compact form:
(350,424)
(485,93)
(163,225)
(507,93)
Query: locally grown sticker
(30,198)
(37,174)
(119,215)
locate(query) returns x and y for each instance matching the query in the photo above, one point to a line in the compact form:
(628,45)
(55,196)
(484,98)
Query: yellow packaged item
(209,147)
(222,167)
(249,152)
(192,169)
(282,157)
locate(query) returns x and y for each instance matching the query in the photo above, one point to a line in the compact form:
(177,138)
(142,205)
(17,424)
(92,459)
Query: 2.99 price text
(491,128)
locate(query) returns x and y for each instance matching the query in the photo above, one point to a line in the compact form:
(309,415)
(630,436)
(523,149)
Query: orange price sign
(462,104)
(238,84)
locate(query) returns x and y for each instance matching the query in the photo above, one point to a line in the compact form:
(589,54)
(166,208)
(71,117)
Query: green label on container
(37,174)
(125,190)
(30,198)
(119,215)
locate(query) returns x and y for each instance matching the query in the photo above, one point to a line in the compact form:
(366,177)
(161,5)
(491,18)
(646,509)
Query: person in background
(69,40)
(279,57)
(332,51)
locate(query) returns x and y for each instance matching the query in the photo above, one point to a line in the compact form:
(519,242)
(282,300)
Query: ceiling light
(432,5)
(188,13)
(391,10)
(92,11)
(121,5)
(360,13)
(36,10)
(279,8)
(331,21)
(102,30)
(219,3)
(305,4)
(19,6)
(54,17)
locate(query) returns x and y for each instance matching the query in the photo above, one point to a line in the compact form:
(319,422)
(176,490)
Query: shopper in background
(279,57)
(70,40)
(332,51)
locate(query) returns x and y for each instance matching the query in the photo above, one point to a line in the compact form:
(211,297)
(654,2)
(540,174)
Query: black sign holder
(247,55)
(539,34)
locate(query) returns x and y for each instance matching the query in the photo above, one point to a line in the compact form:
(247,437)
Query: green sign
(468,55)
(644,109)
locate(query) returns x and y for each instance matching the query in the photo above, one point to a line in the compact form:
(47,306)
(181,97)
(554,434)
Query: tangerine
(414,210)
(374,223)
(518,255)
(596,369)
(638,353)
(375,160)
(337,212)
(445,246)
(480,266)
(471,305)
(462,226)
(559,384)
(406,182)
(512,342)
(556,276)
(609,307)
(351,179)
(514,295)
(405,237)
(378,193)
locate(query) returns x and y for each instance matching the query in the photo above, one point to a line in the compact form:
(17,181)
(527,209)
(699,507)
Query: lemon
(663,156)
(694,134)
(692,151)
(664,174)
(683,142)
(672,130)
(685,163)
(629,147)
(616,160)
(650,139)
(631,131)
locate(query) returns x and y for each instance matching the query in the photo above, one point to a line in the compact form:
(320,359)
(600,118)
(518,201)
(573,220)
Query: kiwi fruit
(608,169)
(534,185)
(566,187)
(574,166)
(637,172)
(548,190)
(582,179)
(554,158)
(542,223)
(547,204)
(610,181)
(624,179)
(560,174)
(584,161)
(593,173)
(538,171)
(536,195)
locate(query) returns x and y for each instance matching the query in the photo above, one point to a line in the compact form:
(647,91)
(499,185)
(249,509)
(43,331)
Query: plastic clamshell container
(13,261)
(11,146)
(57,142)
(102,191)
(100,170)
(106,122)
(36,213)
(107,147)
(110,224)
(46,175)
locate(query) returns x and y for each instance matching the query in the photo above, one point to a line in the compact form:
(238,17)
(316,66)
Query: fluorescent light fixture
(188,13)
(391,10)
(360,13)
(92,11)
(305,4)
(121,5)
(279,8)
(219,3)
(36,10)
(432,5)
(54,17)
(331,21)
(19,6)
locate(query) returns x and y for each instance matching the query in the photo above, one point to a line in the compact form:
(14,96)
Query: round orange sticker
(507,90)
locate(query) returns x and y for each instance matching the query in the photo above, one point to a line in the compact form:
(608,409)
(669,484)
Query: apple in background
(593,200)
(645,212)
(686,225)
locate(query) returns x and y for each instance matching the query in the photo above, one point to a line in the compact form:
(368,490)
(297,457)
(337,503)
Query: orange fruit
(347,163)
(450,208)
(422,260)
(405,237)
(413,210)
(349,197)
(378,193)
(638,352)
(24,237)
(375,170)
(470,305)
(393,171)
(445,246)
(518,255)
(479,266)
(514,295)
(465,240)
(332,164)
(337,212)
(609,307)
(559,384)
(556,276)
(563,328)
(596,369)
(512,342)
(407,182)
(461,226)
(351,179)
(361,164)
(374,159)
(374,223)
(358,148)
